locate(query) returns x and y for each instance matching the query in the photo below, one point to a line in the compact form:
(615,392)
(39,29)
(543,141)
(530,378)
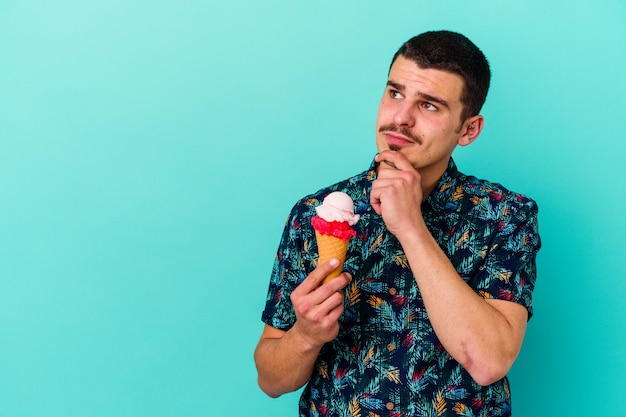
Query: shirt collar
(441,194)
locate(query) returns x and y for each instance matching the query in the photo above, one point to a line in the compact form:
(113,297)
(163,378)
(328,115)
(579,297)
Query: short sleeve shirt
(387,359)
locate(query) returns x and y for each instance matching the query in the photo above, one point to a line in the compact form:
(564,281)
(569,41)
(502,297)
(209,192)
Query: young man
(431,310)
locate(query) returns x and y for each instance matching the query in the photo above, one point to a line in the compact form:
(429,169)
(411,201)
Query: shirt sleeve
(292,264)
(509,271)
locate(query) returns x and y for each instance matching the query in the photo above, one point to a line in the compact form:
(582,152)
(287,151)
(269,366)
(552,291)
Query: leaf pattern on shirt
(387,359)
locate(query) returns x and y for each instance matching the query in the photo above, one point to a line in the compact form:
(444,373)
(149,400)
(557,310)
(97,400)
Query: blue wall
(151,150)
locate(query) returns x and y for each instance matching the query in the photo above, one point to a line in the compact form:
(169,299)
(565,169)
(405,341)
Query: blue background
(150,152)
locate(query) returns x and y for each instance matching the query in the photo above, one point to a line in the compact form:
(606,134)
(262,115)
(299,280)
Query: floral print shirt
(387,359)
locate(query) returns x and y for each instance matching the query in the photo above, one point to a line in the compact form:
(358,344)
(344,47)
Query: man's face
(419,115)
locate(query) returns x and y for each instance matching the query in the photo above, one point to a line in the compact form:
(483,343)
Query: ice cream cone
(330,247)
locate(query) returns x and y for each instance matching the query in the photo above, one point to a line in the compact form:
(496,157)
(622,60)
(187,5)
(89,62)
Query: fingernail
(334,262)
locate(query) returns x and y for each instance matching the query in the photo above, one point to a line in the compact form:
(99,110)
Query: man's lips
(397,135)
(398,139)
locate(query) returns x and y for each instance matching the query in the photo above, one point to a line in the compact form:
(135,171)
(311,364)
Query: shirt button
(389,406)
(392,291)
(391,347)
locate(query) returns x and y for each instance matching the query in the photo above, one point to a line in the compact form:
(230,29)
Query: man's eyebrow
(395,85)
(434,99)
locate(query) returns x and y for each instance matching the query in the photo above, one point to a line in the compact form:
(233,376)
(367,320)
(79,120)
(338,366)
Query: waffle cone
(330,247)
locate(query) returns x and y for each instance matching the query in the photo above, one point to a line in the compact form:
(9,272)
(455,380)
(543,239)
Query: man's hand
(397,193)
(318,307)
(285,359)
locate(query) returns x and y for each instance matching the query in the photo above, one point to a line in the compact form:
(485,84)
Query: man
(431,310)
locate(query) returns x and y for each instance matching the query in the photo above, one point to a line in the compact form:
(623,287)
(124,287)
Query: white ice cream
(338,207)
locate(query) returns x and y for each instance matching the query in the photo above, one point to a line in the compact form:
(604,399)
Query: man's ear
(471,129)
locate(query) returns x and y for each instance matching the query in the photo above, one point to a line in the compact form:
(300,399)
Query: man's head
(452,52)
(436,86)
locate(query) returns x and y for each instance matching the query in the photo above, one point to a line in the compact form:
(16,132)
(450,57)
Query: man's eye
(429,106)
(395,94)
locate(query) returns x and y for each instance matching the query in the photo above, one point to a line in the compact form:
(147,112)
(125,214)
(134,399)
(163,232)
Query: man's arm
(285,359)
(484,336)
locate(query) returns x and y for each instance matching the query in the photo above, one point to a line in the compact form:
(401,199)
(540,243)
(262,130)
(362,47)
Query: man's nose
(404,115)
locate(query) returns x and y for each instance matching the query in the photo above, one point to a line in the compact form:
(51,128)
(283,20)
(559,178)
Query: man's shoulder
(479,192)
(495,190)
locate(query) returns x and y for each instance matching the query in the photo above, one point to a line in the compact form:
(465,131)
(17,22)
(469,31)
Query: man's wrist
(305,343)
(415,232)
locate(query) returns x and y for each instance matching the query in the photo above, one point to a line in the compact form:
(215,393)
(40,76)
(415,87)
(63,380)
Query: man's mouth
(398,136)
